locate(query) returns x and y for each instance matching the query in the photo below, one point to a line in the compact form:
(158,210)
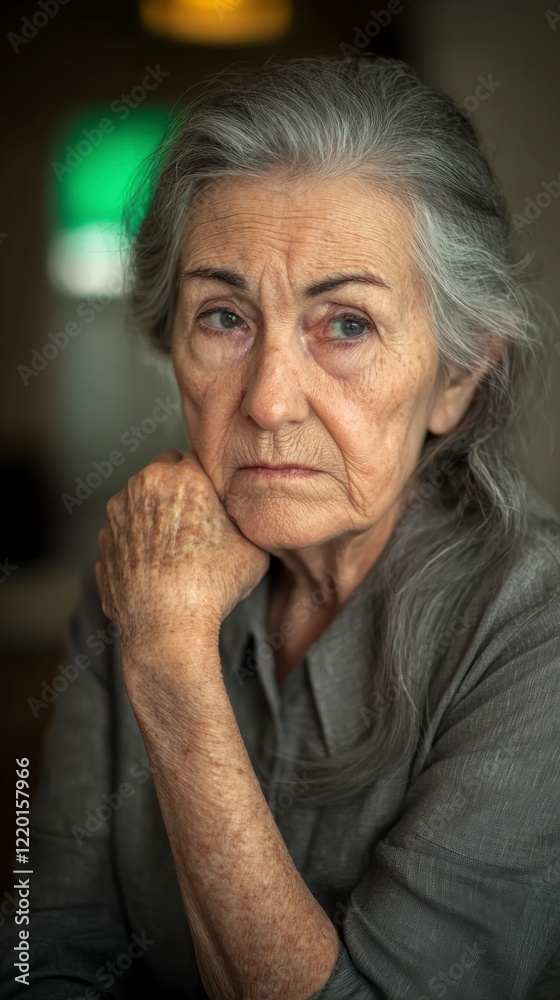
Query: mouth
(280,470)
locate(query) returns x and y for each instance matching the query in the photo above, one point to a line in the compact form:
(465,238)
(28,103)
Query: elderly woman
(321,760)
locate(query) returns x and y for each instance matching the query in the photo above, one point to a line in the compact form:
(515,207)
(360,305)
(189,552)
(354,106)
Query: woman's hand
(172,562)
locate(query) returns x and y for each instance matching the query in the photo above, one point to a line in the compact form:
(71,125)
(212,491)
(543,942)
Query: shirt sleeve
(462,899)
(76,922)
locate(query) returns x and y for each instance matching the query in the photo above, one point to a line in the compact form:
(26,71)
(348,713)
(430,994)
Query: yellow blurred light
(218,22)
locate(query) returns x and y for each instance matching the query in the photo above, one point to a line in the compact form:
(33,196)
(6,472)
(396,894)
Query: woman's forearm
(259,933)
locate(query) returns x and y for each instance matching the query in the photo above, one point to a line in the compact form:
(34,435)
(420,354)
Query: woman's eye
(351,327)
(348,329)
(227,320)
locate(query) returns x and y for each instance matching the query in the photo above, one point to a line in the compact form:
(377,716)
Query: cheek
(192,398)
(209,406)
(380,434)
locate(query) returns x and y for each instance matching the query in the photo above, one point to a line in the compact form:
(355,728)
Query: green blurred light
(94,171)
(99,169)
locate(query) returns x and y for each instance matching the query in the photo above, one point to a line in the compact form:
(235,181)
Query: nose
(274,395)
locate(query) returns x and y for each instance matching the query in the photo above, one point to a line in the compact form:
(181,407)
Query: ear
(451,405)
(453,398)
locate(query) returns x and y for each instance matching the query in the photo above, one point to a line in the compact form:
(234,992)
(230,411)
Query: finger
(116,506)
(103,590)
(169,455)
(101,539)
(105,540)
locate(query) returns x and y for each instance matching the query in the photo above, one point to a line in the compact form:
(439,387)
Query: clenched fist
(171,560)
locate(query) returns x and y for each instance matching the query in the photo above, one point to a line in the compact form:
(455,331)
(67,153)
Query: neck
(333,569)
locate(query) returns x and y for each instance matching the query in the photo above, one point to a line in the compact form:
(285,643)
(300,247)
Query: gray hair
(374,118)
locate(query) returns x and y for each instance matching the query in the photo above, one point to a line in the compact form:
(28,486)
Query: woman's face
(279,361)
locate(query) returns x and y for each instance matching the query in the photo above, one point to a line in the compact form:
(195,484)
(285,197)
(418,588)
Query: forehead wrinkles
(300,225)
(295,240)
(324,209)
(295,208)
(266,263)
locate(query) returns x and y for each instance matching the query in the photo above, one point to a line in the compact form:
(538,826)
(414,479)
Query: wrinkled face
(310,347)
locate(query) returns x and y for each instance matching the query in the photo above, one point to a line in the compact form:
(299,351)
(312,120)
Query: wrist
(168,660)
(174,689)
(169,642)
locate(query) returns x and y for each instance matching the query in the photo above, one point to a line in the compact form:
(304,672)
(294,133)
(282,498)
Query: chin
(272,540)
(273,532)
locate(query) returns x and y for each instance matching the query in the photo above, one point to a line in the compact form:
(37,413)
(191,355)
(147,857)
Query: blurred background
(88,89)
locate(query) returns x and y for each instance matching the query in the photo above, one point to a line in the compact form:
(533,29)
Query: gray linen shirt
(443,881)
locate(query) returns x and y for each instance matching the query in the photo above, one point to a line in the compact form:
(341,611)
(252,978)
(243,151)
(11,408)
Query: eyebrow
(316,288)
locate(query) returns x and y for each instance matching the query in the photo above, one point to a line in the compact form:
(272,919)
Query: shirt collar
(339,662)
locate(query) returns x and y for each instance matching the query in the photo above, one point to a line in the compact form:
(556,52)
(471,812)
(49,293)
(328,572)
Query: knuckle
(139,484)
(111,505)
(145,473)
